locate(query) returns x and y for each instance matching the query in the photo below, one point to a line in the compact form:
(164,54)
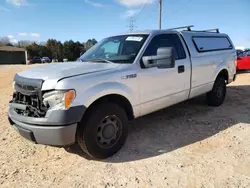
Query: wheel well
(120,100)
(223,74)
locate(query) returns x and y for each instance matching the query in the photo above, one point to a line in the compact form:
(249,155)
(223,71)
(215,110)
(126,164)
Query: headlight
(59,99)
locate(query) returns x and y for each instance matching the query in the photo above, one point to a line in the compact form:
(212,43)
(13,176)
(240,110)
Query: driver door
(162,87)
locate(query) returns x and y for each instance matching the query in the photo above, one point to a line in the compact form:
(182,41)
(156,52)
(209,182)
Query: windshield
(117,49)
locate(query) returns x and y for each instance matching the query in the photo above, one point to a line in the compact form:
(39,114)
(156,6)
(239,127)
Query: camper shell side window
(211,43)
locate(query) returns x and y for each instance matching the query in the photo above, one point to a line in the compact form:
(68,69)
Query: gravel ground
(186,145)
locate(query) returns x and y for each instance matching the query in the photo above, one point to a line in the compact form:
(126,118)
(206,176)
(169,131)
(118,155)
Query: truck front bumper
(58,129)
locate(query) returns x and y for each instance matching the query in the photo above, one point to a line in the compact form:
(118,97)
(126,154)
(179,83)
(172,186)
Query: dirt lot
(187,145)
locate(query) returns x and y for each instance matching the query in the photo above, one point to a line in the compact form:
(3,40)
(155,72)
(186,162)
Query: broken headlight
(59,99)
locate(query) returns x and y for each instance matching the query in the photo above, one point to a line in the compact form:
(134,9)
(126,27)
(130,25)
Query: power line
(131,25)
(179,7)
(173,12)
(150,10)
(141,11)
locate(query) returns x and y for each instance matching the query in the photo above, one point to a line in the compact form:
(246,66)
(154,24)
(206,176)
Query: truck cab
(122,77)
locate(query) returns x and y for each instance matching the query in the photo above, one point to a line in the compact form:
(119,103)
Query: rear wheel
(104,132)
(217,95)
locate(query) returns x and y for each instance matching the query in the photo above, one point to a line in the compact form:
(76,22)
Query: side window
(166,40)
(208,43)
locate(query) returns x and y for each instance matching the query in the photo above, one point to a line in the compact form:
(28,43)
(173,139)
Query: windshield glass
(117,49)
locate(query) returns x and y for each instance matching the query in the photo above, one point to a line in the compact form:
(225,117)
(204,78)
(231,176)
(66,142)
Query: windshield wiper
(96,60)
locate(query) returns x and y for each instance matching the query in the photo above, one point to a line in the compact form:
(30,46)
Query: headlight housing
(60,99)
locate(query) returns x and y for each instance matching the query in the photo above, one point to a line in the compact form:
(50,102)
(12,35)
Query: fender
(93,93)
(219,68)
(228,64)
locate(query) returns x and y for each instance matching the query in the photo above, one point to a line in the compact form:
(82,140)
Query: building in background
(12,55)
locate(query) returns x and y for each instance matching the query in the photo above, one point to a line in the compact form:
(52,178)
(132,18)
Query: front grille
(31,97)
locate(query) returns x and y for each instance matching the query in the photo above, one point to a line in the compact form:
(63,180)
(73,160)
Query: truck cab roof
(197,41)
(184,32)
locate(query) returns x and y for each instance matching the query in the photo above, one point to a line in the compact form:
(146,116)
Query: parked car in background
(238,51)
(46,60)
(35,60)
(54,60)
(243,60)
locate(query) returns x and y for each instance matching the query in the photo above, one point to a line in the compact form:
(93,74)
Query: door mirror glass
(163,59)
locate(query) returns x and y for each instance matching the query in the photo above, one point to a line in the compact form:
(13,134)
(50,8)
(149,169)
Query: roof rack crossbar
(209,30)
(183,27)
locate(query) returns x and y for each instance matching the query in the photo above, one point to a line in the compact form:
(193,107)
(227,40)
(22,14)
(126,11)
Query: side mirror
(164,59)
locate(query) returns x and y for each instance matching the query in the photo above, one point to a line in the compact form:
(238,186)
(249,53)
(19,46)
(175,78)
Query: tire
(217,96)
(104,132)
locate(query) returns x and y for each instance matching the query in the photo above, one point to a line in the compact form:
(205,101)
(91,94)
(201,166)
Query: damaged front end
(27,98)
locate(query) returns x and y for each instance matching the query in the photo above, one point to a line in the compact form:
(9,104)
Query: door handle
(181,69)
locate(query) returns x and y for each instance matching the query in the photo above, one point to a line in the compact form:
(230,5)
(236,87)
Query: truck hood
(61,70)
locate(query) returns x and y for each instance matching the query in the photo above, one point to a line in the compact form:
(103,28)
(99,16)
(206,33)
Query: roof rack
(188,27)
(209,30)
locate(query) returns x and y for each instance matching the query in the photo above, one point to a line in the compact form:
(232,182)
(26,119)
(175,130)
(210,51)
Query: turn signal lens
(69,96)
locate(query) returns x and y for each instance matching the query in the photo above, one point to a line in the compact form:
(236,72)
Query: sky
(79,20)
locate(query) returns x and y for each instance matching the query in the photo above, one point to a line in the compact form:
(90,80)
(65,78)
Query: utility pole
(131,24)
(160,11)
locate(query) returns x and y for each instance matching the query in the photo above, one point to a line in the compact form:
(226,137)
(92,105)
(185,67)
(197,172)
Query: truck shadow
(181,125)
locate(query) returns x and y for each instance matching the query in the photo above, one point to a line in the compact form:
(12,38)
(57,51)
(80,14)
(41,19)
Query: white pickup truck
(122,77)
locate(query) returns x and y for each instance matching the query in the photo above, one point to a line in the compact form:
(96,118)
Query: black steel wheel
(108,131)
(104,131)
(217,96)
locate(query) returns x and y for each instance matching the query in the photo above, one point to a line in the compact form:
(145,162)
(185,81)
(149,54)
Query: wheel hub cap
(108,131)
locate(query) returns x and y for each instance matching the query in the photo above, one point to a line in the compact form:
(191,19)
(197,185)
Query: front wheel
(217,95)
(104,132)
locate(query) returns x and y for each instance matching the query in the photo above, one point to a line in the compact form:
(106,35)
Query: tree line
(52,48)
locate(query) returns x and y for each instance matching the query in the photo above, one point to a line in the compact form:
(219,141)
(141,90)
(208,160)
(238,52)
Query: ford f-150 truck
(120,78)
